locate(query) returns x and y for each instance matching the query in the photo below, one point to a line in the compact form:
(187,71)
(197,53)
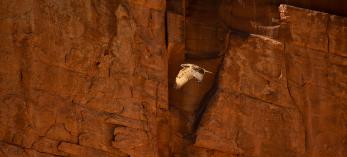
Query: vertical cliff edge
(94,78)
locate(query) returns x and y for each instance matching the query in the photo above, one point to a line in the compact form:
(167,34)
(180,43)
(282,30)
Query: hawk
(188,72)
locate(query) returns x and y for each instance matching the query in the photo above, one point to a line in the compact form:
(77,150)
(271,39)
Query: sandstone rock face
(252,113)
(82,78)
(258,17)
(282,97)
(94,78)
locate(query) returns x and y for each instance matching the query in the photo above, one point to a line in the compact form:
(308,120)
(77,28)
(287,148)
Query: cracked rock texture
(283,97)
(92,78)
(81,78)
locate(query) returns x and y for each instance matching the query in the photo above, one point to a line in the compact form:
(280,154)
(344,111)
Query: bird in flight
(188,72)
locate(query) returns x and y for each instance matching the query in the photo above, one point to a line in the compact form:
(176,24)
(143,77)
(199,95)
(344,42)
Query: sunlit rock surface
(282,97)
(94,78)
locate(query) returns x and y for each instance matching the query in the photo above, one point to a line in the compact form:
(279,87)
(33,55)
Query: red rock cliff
(95,78)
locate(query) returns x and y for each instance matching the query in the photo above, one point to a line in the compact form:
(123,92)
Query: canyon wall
(285,96)
(82,78)
(95,78)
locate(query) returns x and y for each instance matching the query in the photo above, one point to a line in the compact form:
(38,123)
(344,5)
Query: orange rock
(93,78)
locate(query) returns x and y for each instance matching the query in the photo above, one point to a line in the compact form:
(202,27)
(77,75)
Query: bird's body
(189,72)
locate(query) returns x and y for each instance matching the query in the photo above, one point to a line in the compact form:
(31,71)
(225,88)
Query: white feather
(189,72)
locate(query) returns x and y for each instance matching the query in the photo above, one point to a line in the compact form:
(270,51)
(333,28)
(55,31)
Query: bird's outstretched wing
(197,75)
(206,71)
(185,65)
(198,69)
(188,72)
